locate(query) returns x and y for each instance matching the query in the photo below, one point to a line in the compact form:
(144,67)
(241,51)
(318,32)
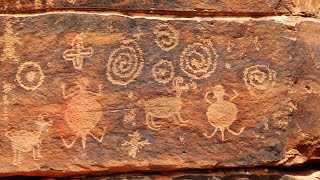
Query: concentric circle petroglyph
(163,71)
(30,76)
(167,37)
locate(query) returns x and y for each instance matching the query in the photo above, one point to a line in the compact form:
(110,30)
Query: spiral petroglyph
(199,60)
(167,37)
(163,71)
(259,79)
(30,76)
(125,63)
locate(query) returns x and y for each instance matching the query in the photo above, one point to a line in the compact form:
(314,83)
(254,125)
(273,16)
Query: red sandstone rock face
(84,93)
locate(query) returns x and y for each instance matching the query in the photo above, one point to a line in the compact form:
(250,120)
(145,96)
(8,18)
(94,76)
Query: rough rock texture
(91,92)
(173,7)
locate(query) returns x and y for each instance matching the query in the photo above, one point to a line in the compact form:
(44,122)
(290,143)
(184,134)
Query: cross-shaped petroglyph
(222,113)
(135,144)
(78,52)
(83,112)
(26,141)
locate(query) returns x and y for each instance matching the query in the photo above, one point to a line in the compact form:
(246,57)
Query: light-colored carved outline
(221,109)
(78,52)
(130,117)
(40,73)
(205,64)
(263,75)
(158,68)
(167,38)
(7,88)
(135,144)
(166,107)
(124,71)
(26,141)
(83,125)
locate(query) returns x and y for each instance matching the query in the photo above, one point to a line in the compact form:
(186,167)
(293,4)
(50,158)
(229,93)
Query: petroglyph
(167,37)
(166,107)
(83,112)
(222,113)
(72,1)
(7,88)
(10,39)
(259,79)
(135,144)
(163,71)
(199,60)
(78,52)
(26,141)
(130,117)
(125,63)
(30,76)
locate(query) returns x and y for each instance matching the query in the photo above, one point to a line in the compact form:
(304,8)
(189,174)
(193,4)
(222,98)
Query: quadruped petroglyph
(222,113)
(166,107)
(78,52)
(135,144)
(26,141)
(30,76)
(259,79)
(125,63)
(199,60)
(83,112)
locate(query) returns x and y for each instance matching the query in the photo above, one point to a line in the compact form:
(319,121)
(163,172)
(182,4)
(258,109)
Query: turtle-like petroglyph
(199,60)
(259,79)
(30,76)
(83,112)
(166,107)
(135,144)
(26,141)
(167,37)
(125,63)
(78,52)
(163,71)
(10,39)
(222,113)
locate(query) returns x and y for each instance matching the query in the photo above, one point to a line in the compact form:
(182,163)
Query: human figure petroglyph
(125,63)
(167,37)
(163,71)
(30,76)
(222,113)
(78,52)
(10,39)
(199,60)
(135,144)
(166,107)
(26,141)
(83,112)
(259,79)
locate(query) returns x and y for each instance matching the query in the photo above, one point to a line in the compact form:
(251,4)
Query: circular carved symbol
(166,37)
(163,71)
(199,60)
(125,63)
(259,79)
(30,76)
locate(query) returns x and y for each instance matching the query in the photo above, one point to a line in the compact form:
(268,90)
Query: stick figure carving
(222,113)
(166,107)
(83,112)
(26,141)
(78,52)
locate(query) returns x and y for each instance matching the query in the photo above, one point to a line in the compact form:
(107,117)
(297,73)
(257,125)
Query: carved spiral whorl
(199,60)
(166,37)
(125,63)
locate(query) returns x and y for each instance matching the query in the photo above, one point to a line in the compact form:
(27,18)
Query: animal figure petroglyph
(83,112)
(166,107)
(135,144)
(26,141)
(222,113)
